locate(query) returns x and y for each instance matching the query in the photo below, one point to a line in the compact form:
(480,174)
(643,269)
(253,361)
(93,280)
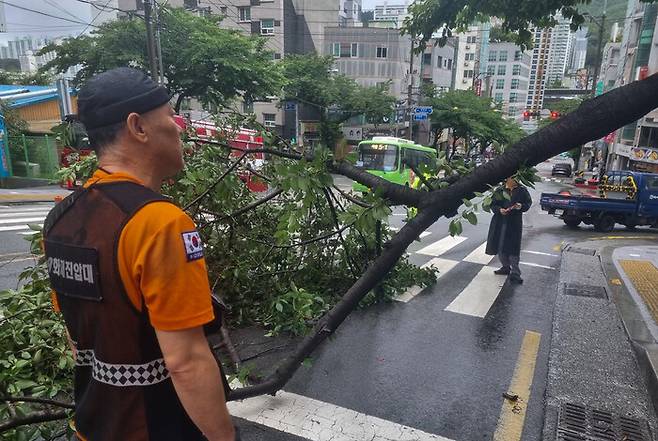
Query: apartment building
(394,11)
(508,74)
(635,147)
(471,57)
(560,50)
(579,49)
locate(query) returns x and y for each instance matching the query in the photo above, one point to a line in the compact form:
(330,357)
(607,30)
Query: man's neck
(145,176)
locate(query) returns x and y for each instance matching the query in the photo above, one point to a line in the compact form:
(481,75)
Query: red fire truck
(241,140)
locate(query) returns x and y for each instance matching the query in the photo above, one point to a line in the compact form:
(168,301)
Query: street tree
(310,80)
(200,59)
(475,121)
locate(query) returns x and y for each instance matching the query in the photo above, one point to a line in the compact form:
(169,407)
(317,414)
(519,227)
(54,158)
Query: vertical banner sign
(4,150)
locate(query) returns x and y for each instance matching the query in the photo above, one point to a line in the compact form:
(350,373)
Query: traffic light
(555,115)
(526,116)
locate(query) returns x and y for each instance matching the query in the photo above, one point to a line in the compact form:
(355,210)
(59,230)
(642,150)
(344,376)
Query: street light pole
(410,90)
(150,40)
(599,51)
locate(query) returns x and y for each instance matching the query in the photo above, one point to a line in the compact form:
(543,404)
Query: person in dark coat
(506,228)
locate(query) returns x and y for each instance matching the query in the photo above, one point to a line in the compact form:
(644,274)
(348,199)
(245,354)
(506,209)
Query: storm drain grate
(585,251)
(574,289)
(582,423)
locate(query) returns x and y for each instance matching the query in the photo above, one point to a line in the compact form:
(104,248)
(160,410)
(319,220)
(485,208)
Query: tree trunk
(594,119)
(179,102)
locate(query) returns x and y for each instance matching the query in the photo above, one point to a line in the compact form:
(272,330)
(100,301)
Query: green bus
(387,157)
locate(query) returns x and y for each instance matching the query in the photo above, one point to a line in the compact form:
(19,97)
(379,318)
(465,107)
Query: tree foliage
(518,16)
(474,120)
(200,59)
(337,98)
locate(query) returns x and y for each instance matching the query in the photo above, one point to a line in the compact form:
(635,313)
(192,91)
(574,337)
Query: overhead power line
(42,13)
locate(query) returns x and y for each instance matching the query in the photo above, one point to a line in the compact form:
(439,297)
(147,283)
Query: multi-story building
(560,50)
(350,12)
(636,145)
(539,69)
(394,11)
(579,49)
(610,65)
(471,57)
(508,74)
(437,64)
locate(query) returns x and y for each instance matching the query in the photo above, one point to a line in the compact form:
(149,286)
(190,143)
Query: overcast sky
(21,22)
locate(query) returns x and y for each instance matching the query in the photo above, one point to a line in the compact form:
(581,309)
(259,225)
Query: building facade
(508,73)
(539,69)
(560,51)
(394,11)
(471,57)
(579,49)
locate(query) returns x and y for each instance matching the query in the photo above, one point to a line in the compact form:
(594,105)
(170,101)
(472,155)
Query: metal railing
(33,156)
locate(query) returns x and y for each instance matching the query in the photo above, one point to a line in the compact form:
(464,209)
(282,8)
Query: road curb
(643,343)
(30,198)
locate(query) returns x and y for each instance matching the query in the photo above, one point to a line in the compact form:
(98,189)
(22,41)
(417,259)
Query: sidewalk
(33,194)
(603,364)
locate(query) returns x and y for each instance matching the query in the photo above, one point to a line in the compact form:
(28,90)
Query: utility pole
(158,45)
(150,40)
(410,91)
(599,50)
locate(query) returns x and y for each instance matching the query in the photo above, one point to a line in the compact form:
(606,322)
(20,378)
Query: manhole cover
(574,289)
(585,251)
(583,423)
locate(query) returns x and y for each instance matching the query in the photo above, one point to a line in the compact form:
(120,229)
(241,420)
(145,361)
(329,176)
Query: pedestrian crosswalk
(17,219)
(481,292)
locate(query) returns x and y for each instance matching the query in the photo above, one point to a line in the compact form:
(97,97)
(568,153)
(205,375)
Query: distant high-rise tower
(559,56)
(579,52)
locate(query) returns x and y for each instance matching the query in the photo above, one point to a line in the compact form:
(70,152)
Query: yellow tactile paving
(644,276)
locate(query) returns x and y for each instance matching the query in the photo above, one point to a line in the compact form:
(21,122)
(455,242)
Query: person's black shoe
(515,279)
(502,271)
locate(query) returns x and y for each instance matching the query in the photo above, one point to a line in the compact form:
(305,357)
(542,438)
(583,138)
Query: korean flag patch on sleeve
(193,245)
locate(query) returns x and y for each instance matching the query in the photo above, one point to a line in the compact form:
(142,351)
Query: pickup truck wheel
(605,224)
(571,221)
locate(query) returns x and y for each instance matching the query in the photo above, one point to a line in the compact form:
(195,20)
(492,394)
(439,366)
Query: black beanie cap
(108,98)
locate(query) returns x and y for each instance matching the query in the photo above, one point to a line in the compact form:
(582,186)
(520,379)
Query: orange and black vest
(123,390)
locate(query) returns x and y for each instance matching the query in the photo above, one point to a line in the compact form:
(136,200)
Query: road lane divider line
(539,253)
(479,295)
(479,255)
(316,420)
(513,411)
(536,265)
(441,246)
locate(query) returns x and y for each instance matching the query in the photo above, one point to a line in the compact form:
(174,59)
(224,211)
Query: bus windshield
(380,157)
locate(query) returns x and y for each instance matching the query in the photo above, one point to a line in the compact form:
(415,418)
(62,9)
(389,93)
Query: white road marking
(422,235)
(319,421)
(478,255)
(476,299)
(5,209)
(539,253)
(22,219)
(28,233)
(17,227)
(23,213)
(536,265)
(409,294)
(441,246)
(442,265)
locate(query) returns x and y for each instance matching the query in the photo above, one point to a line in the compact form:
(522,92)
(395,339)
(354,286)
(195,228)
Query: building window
(269,119)
(500,84)
(502,69)
(491,70)
(267,26)
(516,69)
(449,66)
(223,10)
(276,56)
(471,40)
(493,55)
(515,83)
(439,61)
(354,50)
(469,57)
(518,55)
(512,111)
(382,52)
(427,60)
(245,13)
(345,50)
(502,56)
(498,97)
(468,74)
(513,97)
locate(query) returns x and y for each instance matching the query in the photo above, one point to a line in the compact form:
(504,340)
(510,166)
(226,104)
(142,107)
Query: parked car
(562,169)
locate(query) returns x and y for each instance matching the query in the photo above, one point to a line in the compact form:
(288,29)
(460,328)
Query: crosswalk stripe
(24,213)
(539,253)
(5,209)
(442,265)
(441,246)
(316,420)
(21,220)
(478,255)
(17,227)
(476,299)
(423,235)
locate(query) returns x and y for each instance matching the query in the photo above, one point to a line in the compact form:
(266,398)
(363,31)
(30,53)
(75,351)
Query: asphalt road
(434,366)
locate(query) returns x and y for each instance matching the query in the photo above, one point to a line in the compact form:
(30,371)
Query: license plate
(559,212)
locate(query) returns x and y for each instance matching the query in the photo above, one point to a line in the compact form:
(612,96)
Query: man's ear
(135,126)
